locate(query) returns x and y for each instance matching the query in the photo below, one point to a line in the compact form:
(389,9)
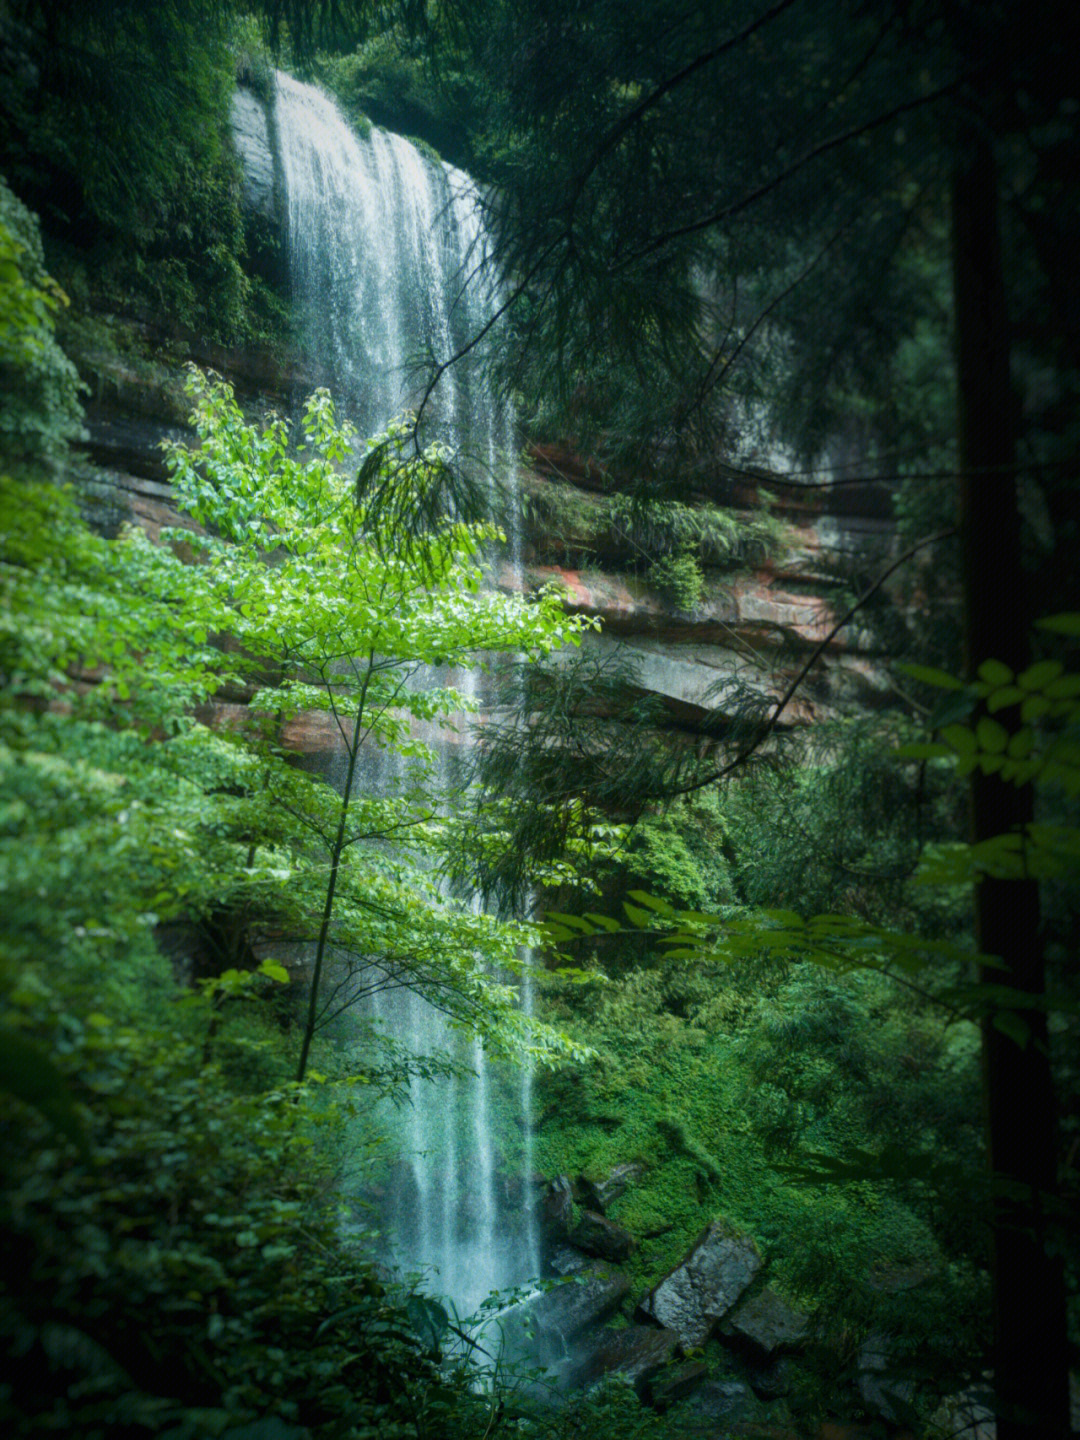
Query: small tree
(326,615)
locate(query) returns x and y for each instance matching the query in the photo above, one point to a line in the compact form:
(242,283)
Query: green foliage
(670,542)
(833,824)
(712,536)
(681,853)
(167,1192)
(835,1057)
(124,144)
(678,578)
(39,386)
(252,57)
(715,1078)
(389,79)
(185,1275)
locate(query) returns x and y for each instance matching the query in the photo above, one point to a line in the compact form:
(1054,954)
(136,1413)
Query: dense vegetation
(761,981)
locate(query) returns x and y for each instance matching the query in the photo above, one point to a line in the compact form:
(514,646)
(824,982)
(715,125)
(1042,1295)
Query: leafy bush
(39,387)
(184,1273)
(678,578)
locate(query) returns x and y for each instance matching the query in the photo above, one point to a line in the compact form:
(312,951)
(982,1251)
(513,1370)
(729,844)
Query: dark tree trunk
(1030,1341)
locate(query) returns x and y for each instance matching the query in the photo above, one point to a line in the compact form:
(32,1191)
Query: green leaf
(1021,744)
(952,707)
(1037,676)
(603,922)
(788,918)
(959,738)
(273,971)
(637,916)
(1065,688)
(995,672)
(1012,1025)
(1034,708)
(991,736)
(554,919)
(651,902)
(922,752)
(1009,695)
(930,675)
(1067,623)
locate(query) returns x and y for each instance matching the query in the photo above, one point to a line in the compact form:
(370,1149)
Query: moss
(425,148)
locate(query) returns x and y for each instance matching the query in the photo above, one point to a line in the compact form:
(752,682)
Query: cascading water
(386,252)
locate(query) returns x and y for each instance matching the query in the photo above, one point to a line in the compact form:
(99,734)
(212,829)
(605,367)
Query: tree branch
(789,693)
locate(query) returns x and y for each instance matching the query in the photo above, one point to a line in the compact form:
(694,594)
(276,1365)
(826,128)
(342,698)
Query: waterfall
(386,252)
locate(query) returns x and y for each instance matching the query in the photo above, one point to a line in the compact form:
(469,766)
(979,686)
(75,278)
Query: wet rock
(882,1390)
(556,1208)
(565,1260)
(599,1194)
(547,1328)
(721,1400)
(767,1322)
(251,136)
(769,1381)
(636,1354)
(701,1290)
(597,1235)
(675,1383)
(968,1415)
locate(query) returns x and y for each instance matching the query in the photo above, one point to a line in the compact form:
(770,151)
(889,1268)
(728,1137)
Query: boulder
(767,1322)
(599,1194)
(700,1291)
(597,1235)
(880,1387)
(547,1328)
(675,1383)
(727,1400)
(565,1260)
(556,1208)
(636,1354)
(770,1379)
(968,1415)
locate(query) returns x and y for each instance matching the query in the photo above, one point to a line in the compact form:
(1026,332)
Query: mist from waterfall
(386,257)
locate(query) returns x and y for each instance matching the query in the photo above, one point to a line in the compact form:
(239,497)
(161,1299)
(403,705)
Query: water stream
(385,253)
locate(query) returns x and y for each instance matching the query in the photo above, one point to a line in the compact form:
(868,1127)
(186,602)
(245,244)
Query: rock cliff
(752,627)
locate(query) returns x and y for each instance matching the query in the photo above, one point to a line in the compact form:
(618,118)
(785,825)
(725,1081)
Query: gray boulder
(728,1400)
(968,1415)
(556,1208)
(635,1354)
(547,1328)
(564,1260)
(770,1379)
(701,1290)
(767,1322)
(597,1235)
(675,1384)
(881,1388)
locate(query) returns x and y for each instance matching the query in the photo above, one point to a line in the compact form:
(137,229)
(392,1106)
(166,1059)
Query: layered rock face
(754,625)
(752,628)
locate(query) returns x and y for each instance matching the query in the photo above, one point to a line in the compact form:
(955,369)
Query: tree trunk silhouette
(1030,1353)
